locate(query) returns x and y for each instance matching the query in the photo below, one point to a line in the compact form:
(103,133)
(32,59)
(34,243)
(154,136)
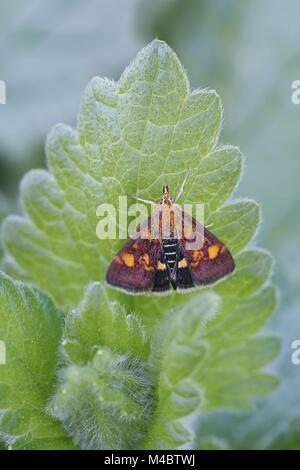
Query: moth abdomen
(170,249)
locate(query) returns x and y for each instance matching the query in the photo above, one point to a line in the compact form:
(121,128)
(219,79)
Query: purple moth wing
(208,262)
(133,268)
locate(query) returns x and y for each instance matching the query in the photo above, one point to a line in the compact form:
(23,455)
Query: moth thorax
(167,221)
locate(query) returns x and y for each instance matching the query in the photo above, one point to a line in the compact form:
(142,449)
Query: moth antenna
(209,225)
(188,173)
(142,200)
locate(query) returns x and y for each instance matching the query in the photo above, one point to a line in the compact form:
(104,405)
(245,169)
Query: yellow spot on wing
(161,266)
(144,260)
(197,256)
(182,263)
(213,251)
(128,259)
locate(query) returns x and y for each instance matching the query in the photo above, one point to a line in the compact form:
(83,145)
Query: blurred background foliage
(250,53)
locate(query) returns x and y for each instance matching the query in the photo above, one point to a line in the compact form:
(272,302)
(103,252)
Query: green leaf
(100,321)
(31,329)
(104,398)
(231,371)
(182,354)
(210,359)
(4,210)
(133,136)
(252,271)
(217,33)
(235,224)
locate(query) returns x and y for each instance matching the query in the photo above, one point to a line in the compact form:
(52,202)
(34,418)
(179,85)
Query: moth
(169,250)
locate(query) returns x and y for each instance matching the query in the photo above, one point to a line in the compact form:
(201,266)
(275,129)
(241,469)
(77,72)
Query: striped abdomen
(170,252)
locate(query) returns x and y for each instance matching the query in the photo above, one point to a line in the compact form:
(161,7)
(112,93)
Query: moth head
(165,199)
